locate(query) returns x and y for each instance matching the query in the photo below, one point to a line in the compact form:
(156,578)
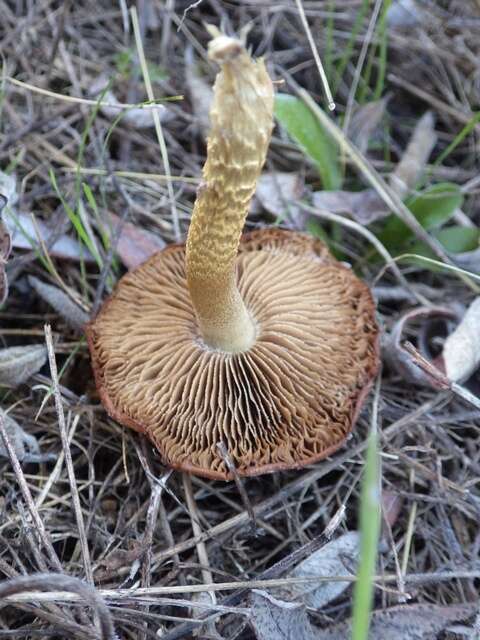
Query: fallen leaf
(274,619)
(461,351)
(403,14)
(412,165)
(5,248)
(405,622)
(135,117)
(24,236)
(364,122)
(8,187)
(56,298)
(200,91)
(276,191)
(363,206)
(24,444)
(366,206)
(17,364)
(338,557)
(135,245)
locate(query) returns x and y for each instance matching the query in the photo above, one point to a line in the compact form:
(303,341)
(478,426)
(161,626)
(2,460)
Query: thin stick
(68,456)
(355,226)
(316,56)
(238,482)
(390,198)
(201,547)
(92,103)
(156,119)
(361,60)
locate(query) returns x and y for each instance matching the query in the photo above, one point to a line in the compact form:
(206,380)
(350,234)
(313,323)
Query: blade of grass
(369,531)
(156,119)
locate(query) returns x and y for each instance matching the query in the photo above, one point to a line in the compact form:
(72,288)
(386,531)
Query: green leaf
(432,208)
(300,123)
(453,239)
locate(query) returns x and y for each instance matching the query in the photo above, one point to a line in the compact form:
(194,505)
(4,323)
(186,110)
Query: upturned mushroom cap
(287,401)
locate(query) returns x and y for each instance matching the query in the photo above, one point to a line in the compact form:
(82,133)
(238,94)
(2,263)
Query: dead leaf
(134,117)
(17,364)
(403,14)
(277,191)
(412,165)
(24,444)
(135,245)
(200,91)
(24,236)
(363,206)
(364,122)
(56,298)
(461,351)
(338,557)
(5,248)
(405,622)
(274,619)
(366,206)
(8,187)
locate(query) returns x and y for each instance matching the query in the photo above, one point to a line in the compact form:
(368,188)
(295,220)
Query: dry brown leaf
(135,245)
(276,191)
(405,622)
(365,121)
(25,445)
(338,557)
(412,165)
(403,14)
(17,364)
(56,298)
(363,206)
(461,351)
(274,619)
(200,91)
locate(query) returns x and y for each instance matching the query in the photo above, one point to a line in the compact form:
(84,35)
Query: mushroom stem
(241,125)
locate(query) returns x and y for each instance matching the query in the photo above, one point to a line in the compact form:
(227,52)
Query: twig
(51,581)
(238,482)
(68,456)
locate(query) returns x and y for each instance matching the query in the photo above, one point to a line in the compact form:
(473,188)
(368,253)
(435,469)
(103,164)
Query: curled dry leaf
(338,557)
(25,445)
(17,364)
(405,622)
(274,619)
(135,117)
(63,305)
(461,351)
(135,245)
(412,165)
(395,354)
(365,121)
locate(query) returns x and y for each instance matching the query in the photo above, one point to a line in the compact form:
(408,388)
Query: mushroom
(261,342)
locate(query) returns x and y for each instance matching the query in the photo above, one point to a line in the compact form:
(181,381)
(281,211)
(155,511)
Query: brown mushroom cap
(289,400)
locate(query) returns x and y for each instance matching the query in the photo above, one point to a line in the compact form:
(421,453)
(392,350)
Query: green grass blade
(369,536)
